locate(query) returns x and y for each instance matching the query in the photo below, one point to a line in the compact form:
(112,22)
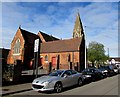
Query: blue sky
(100,21)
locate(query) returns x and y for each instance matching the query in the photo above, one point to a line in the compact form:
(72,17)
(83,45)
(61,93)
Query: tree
(96,53)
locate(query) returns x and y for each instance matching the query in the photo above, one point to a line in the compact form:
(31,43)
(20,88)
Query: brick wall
(11,56)
(64,63)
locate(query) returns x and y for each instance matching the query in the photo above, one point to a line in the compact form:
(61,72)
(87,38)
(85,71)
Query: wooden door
(54,62)
(40,61)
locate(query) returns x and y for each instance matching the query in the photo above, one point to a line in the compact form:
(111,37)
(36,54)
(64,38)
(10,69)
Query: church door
(54,62)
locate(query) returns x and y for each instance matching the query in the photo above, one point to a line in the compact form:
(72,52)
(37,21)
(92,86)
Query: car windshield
(86,71)
(56,73)
(104,67)
(101,68)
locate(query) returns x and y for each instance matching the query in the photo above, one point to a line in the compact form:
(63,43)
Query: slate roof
(29,37)
(61,46)
(48,37)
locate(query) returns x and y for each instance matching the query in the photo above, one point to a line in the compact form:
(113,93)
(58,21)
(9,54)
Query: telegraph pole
(108,51)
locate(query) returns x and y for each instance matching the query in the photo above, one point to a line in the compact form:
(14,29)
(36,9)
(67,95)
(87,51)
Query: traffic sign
(36,45)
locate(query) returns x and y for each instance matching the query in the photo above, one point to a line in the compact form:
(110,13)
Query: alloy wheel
(80,82)
(58,87)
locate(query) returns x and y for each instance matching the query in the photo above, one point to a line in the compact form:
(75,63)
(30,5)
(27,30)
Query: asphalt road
(107,86)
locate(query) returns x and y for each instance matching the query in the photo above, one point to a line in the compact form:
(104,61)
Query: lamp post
(85,51)
(108,52)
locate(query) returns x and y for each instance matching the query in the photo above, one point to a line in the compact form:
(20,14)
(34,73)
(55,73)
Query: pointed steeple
(19,26)
(78,28)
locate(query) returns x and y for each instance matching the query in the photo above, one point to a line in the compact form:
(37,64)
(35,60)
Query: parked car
(104,71)
(118,66)
(92,74)
(57,80)
(107,70)
(116,69)
(87,75)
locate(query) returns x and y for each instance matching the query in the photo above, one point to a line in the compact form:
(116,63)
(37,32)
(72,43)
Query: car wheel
(93,79)
(80,82)
(58,87)
(102,76)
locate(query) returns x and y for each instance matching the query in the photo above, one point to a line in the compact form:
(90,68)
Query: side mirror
(65,76)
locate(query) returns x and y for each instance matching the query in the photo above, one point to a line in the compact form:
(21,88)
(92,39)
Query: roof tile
(61,46)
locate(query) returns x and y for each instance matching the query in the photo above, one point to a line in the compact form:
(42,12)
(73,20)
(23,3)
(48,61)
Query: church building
(65,54)
(54,53)
(22,47)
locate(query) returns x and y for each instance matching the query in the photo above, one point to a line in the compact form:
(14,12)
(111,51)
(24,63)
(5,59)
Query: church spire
(78,28)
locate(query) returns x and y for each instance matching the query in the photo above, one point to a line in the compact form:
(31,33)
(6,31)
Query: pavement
(24,85)
(7,90)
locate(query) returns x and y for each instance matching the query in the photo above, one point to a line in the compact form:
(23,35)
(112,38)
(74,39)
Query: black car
(92,74)
(107,70)
(104,71)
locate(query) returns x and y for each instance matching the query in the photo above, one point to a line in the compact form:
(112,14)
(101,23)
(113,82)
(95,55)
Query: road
(107,86)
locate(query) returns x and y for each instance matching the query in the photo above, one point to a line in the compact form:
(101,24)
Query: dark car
(104,71)
(107,70)
(92,74)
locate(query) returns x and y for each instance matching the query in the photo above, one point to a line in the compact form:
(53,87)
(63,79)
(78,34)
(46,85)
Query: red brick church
(60,54)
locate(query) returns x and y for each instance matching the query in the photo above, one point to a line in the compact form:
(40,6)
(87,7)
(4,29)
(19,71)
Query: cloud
(100,21)
(59,1)
(51,10)
(57,19)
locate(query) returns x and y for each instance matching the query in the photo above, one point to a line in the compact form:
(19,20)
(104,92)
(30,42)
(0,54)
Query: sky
(99,19)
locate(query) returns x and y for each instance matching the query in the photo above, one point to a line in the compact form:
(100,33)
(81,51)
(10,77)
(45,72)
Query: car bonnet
(46,78)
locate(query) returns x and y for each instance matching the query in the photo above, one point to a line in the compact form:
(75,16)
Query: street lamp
(85,51)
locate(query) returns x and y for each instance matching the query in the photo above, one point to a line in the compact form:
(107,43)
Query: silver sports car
(57,80)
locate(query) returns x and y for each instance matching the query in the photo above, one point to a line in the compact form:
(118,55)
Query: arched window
(68,57)
(76,35)
(46,58)
(17,46)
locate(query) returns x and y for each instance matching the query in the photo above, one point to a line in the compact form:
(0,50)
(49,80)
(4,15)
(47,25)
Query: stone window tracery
(17,47)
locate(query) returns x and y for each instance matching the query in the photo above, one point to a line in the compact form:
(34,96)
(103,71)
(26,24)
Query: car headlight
(46,82)
(87,76)
(105,71)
